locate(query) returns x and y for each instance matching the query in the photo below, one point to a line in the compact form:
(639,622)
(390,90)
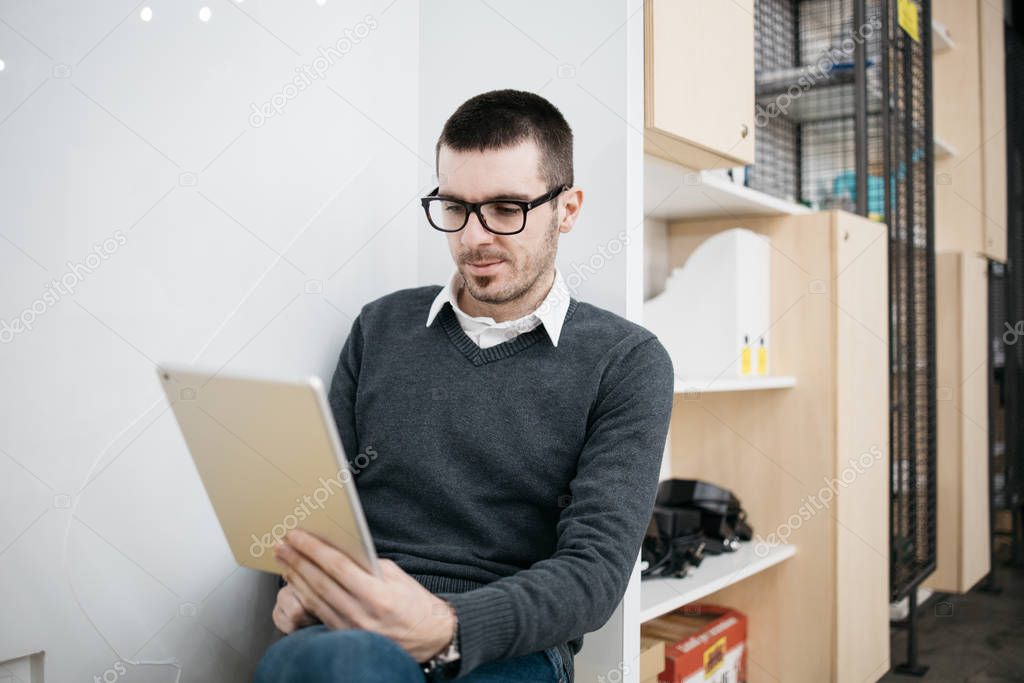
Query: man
(518,433)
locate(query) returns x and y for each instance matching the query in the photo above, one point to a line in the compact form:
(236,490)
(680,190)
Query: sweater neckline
(479,356)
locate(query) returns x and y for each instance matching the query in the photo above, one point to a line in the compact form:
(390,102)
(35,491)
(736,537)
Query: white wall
(230,240)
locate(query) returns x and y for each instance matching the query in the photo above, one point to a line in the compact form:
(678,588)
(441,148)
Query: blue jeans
(317,654)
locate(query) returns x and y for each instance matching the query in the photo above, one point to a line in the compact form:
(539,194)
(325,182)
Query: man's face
(500,268)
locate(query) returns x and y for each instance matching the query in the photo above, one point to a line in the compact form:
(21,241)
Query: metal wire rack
(843,110)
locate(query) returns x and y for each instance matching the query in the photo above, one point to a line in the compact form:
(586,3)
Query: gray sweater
(515,481)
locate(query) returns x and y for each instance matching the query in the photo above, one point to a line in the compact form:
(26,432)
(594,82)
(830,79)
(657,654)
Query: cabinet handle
(744,131)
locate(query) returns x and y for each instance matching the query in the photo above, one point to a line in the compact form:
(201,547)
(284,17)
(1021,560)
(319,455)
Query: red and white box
(703,644)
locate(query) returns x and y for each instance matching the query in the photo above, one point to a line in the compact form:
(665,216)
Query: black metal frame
(1011,498)
(475,207)
(996,410)
(907,81)
(910,565)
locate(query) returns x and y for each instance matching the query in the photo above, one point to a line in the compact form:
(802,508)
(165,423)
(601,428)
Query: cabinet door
(699,80)
(961,348)
(860,317)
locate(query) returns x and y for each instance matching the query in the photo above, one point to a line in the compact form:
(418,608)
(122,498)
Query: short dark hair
(504,118)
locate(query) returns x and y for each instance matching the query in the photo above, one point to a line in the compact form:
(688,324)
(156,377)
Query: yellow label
(762,360)
(908,19)
(745,361)
(714,657)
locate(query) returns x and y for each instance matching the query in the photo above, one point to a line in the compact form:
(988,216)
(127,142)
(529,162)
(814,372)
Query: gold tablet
(270,459)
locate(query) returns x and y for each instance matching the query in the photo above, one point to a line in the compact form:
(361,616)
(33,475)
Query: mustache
(482,258)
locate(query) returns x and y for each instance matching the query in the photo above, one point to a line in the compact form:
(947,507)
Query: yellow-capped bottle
(745,356)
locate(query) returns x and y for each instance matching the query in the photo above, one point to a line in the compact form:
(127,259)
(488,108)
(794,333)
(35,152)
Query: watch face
(446,668)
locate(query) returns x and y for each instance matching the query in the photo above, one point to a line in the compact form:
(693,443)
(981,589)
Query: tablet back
(269,456)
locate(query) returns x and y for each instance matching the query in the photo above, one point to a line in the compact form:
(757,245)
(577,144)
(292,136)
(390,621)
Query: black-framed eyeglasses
(499,216)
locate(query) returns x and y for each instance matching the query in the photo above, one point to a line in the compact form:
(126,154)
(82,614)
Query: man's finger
(335,563)
(291,602)
(315,580)
(313,603)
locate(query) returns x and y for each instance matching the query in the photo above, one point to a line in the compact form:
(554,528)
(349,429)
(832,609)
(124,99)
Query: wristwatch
(447,660)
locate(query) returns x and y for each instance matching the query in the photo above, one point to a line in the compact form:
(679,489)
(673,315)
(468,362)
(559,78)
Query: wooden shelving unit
(821,613)
(777,451)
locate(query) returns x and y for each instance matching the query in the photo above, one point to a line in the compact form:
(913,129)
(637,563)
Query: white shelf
(755,383)
(941,40)
(662,595)
(673,192)
(943,150)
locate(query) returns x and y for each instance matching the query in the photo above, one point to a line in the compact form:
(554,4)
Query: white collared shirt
(485,332)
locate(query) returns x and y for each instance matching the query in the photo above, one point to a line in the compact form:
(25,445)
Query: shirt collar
(551,310)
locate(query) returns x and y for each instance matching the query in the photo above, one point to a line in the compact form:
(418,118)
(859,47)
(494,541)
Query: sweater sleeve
(342,393)
(577,589)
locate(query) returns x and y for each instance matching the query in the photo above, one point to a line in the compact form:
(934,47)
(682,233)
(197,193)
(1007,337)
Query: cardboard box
(703,644)
(652,659)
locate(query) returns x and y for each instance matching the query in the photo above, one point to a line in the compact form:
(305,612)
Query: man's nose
(474,233)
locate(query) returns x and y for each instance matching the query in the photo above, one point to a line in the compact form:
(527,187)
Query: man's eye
(505,209)
(452,208)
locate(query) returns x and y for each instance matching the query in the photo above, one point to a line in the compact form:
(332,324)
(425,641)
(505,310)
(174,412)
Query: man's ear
(572,204)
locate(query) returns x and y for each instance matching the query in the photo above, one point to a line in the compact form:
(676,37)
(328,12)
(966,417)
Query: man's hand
(343,595)
(289,614)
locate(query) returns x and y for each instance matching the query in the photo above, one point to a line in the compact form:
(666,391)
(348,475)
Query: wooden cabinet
(961,293)
(811,463)
(699,82)
(993,129)
(970,223)
(969,105)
